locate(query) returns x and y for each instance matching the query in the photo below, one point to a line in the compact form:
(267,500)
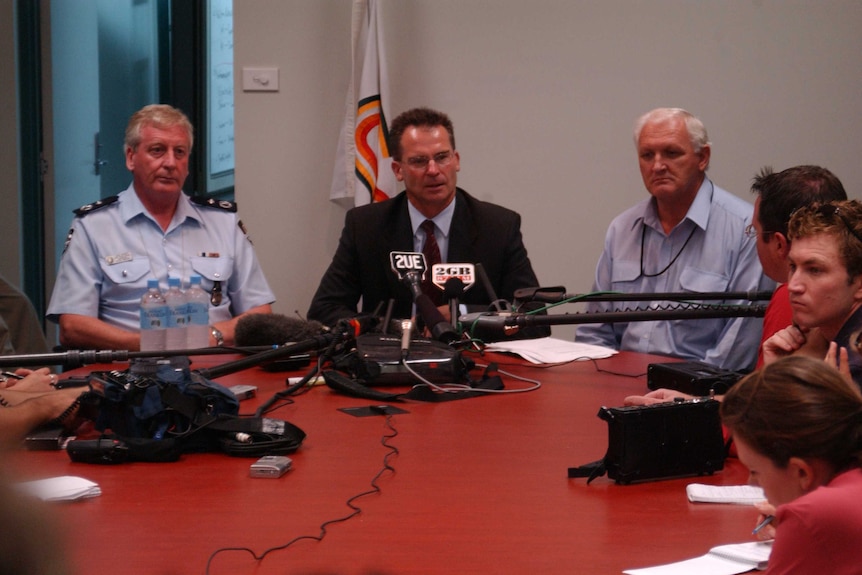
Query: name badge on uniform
(118,259)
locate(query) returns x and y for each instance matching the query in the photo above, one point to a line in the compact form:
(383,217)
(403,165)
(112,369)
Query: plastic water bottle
(198,306)
(154,318)
(177,316)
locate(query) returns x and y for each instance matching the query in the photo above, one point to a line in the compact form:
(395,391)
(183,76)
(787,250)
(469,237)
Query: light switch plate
(260,79)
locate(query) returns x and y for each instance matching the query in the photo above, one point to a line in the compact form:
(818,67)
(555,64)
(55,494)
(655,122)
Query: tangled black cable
(355,510)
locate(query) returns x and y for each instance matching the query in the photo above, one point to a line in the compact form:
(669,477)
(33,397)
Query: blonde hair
(160,116)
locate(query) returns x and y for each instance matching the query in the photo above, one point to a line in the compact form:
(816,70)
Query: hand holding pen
(765,529)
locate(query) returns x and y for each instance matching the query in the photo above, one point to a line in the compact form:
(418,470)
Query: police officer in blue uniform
(153,230)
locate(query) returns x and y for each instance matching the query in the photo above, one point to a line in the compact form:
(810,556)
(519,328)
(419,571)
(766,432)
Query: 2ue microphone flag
(362,160)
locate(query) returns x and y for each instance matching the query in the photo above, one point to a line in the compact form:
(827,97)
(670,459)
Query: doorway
(104,65)
(100,61)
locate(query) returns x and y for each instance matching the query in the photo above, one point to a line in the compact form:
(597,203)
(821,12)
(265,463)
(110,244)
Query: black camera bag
(659,441)
(157,417)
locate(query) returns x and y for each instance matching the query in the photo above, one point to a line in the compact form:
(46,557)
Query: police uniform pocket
(215,273)
(121,270)
(211,269)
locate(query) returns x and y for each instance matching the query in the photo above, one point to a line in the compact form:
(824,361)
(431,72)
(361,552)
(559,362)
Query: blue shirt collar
(131,207)
(443,220)
(698,212)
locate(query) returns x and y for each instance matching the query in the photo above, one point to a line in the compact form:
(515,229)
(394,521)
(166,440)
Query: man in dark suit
(466,230)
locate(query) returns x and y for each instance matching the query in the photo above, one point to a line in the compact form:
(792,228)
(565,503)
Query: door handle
(98,162)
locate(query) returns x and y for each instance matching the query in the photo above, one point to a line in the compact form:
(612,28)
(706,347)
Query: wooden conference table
(480,486)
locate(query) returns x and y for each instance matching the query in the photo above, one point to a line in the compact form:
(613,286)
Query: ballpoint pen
(766,521)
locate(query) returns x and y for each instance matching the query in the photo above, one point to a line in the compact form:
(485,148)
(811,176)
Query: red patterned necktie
(432,256)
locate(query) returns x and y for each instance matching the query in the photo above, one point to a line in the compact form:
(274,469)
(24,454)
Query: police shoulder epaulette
(84,210)
(214,203)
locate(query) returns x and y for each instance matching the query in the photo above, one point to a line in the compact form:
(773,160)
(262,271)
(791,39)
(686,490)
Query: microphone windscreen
(258,329)
(453,288)
(440,329)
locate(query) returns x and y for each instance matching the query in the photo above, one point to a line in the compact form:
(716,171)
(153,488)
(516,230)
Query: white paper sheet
(65,488)
(551,350)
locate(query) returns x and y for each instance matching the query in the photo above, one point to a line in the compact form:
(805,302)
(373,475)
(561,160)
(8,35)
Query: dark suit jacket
(481,232)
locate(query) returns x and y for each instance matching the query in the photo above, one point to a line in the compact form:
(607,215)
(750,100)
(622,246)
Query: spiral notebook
(721,560)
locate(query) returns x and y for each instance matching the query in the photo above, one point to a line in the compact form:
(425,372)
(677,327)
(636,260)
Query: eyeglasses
(751,232)
(827,211)
(420,163)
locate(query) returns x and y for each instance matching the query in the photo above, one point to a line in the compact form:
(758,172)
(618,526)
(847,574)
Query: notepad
(65,488)
(738,494)
(721,560)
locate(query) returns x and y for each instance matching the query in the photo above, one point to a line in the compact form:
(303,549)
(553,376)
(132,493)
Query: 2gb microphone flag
(362,160)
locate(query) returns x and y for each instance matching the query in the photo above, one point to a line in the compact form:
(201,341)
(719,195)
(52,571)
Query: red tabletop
(479,486)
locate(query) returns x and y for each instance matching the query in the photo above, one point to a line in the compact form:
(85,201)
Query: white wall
(543,95)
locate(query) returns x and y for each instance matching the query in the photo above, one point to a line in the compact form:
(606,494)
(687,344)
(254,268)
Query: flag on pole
(362,161)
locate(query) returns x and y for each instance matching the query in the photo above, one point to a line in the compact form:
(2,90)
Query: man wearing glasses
(688,236)
(432,216)
(825,285)
(778,196)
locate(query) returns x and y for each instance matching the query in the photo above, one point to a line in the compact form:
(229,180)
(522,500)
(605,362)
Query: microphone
(454,280)
(492,326)
(556,294)
(442,273)
(406,334)
(440,329)
(344,330)
(273,330)
(499,304)
(453,290)
(258,329)
(410,268)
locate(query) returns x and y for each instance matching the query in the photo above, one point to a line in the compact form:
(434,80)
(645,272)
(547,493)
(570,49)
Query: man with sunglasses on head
(779,195)
(431,210)
(688,236)
(825,286)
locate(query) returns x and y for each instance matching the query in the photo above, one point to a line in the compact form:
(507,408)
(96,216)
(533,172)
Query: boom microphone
(344,330)
(491,326)
(274,329)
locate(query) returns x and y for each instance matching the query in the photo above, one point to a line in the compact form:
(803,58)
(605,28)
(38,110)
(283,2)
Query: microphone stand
(78,358)
(508,324)
(557,295)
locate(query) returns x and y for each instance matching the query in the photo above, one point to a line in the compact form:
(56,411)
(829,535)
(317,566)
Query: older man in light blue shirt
(689,236)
